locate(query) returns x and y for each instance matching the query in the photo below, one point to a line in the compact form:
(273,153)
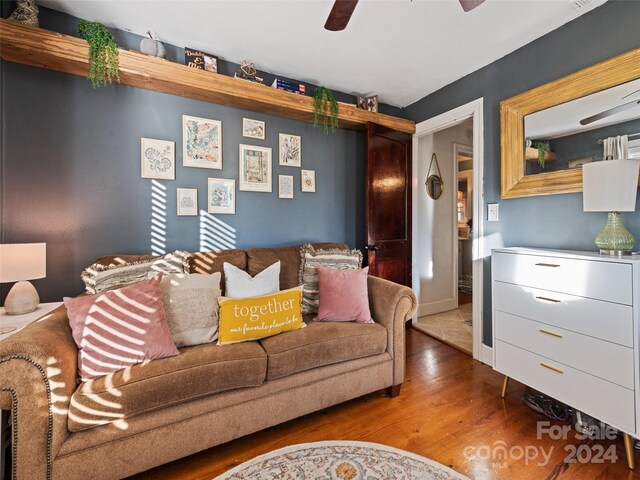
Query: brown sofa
(153,413)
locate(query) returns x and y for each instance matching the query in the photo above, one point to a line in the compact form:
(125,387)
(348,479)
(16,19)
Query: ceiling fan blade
(608,113)
(468,5)
(340,15)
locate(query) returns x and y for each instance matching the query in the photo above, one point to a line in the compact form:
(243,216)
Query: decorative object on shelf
(104,59)
(542,147)
(20,262)
(253,128)
(221,195)
(290,150)
(26,12)
(200,60)
(255,169)
(611,186)
(325,107)
(157,159)
(248,72)
(434,182)
(290,86)
(201,142)
(308,180)
(152,46)
(285,186)
(368,103)
(579,162)
(187,201)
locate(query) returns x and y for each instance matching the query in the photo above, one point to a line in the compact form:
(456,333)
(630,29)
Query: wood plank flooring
(449,410)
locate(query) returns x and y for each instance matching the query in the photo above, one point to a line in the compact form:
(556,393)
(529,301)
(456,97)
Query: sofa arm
(38,368)
(392,305)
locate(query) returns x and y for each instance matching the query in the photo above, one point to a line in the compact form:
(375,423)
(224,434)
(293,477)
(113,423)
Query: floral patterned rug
(340,461)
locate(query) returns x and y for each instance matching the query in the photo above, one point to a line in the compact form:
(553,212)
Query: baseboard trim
(437,307)
(486,355)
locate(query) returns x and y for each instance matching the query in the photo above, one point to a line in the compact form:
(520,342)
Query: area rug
(340,461)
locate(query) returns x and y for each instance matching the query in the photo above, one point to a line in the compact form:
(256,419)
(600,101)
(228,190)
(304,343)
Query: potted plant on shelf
(104,59)
(543,148)
(325,107)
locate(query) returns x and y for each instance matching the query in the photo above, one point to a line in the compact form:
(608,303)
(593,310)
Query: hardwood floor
(449,405)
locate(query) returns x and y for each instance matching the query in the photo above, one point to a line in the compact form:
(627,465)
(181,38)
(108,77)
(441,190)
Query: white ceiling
(400,49)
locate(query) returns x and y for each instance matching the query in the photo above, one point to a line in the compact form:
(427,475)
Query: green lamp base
(615,239)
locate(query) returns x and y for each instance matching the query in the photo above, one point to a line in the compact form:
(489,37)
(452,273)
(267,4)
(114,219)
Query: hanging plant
(103,53)
(542,151)
(325,107)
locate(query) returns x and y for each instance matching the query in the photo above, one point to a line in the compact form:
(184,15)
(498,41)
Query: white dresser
(566,323)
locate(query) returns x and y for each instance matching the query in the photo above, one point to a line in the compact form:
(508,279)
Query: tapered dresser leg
(504,386)
(628,447)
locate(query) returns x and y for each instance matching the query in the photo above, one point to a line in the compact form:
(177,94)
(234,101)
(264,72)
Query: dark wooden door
(389,204)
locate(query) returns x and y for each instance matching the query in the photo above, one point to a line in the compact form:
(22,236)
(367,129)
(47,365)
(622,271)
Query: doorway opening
(447,240)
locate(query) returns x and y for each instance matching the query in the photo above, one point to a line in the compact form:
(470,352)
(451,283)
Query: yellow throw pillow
(243,319)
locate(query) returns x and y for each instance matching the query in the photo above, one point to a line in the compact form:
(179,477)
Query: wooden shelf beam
(64,53)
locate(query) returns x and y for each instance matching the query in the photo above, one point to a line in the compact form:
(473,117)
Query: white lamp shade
(22,261)
(610,186)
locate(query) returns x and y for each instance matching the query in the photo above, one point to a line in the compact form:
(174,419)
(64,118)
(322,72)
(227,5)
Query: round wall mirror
(435,185)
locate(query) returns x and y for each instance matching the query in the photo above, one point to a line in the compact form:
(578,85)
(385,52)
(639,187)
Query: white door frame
(448,119)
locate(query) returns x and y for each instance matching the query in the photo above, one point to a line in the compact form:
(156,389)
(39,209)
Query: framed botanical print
(253,128)
(290,150)
(308,180)
(201,142)
(255,169)
(187,201)
(157,159)
(285,186)
(221,195)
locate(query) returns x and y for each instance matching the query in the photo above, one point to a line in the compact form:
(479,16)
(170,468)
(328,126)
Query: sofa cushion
(322,343)
(260,258)
(198,371)
(212,262)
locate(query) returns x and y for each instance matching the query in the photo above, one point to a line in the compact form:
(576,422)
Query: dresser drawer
(608,321)
(603,400)
(608,361)
(601,280)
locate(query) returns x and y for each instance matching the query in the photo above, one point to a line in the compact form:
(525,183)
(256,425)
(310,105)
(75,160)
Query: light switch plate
(492,212)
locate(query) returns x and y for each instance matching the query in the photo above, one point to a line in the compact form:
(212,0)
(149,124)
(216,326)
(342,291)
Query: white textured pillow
(191,306)
(239,284)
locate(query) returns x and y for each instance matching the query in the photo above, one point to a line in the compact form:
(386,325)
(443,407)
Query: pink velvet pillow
(343,295)
(119,328)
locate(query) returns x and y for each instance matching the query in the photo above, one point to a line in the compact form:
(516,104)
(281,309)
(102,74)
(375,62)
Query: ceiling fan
(612,111)
(342,10)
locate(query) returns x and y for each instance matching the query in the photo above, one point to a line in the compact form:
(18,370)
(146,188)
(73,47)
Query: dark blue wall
(555,221)
(71,173)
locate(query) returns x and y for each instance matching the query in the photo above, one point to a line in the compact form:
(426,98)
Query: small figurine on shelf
(152,47)
(248,72)
(26,12)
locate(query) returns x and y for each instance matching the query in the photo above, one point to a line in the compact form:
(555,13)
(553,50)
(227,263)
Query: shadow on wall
(158,218)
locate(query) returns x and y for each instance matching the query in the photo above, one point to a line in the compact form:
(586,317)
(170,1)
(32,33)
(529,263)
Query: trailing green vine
(542,151)
(104,59)
(325,106)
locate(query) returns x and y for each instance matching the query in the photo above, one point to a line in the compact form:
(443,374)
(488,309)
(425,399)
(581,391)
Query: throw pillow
(312,258)
(343,295)
(239,284)
(119,328)
(243,319)
(98,277)
(191,306)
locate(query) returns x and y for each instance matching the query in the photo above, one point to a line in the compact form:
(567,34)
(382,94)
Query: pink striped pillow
(119,328)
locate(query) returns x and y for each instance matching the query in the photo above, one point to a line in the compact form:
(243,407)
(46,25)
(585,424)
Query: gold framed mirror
(514,180)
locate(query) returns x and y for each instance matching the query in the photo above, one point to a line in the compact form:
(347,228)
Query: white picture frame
(157,159)
(201,142)
(255,168)
(187,199)
(290,150)
(308,180)
(221,196)
(285,186)
(253,128)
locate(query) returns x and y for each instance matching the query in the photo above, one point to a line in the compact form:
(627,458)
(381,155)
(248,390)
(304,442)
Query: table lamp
(611,186)
(20,262)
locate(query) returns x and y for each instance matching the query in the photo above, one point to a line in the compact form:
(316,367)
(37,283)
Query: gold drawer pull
(552,265)
(547,299)
(549,332)
(551,367)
